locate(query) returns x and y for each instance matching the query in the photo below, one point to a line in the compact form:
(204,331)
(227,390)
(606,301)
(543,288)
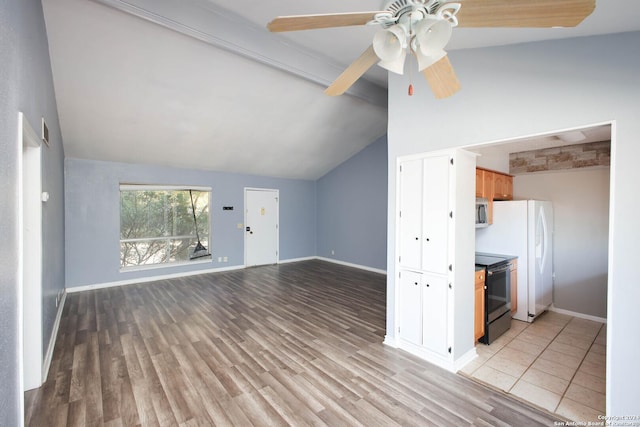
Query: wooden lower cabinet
(514,286)
(479,305)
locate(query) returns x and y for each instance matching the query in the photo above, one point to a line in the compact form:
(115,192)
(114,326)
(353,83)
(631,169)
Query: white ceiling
(230,96)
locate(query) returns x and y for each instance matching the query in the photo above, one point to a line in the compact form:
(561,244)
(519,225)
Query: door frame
(30,354)
(277,194)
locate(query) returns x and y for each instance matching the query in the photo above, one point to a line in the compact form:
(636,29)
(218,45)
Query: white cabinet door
(434,313)
(435,218)
(409,306)
(411,179)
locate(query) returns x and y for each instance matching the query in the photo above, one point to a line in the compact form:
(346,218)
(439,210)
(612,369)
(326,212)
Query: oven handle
(499,270)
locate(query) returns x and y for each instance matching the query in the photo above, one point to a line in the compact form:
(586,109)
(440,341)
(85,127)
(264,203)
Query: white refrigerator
(524,228)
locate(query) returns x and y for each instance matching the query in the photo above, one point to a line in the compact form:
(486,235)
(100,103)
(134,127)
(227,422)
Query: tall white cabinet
(435,239)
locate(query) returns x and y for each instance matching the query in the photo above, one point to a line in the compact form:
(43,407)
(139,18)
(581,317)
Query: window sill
(205,260)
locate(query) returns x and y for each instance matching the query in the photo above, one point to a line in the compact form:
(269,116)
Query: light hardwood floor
(290,344)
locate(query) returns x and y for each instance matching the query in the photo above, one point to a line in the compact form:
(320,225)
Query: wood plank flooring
(291,344)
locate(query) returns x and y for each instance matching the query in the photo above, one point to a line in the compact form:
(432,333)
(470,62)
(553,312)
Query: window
(157,224)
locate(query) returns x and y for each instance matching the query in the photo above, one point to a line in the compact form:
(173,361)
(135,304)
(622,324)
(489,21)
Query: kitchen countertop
(484,259)
(506,257)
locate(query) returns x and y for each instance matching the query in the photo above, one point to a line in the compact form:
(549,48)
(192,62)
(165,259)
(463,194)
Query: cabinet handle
(427,239)
(417,238)
(415,283)
(427,285)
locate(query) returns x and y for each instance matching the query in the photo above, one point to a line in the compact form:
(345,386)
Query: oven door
(498,296)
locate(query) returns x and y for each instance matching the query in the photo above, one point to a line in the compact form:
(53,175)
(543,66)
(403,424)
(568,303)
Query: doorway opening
(569,378)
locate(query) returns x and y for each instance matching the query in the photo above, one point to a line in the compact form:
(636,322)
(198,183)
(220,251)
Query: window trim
(160,187)
(156,187)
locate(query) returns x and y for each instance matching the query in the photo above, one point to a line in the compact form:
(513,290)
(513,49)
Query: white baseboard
(46,363)
(348,264)
(462,361)
(576,314)
(150,279)
(391,341)
(104,285)
(286,261)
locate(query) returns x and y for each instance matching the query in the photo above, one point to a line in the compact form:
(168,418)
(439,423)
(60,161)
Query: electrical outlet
(333,252)
(225,259)
(219,259)
(240,226)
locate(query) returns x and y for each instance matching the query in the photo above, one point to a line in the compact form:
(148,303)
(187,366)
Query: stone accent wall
(561,158)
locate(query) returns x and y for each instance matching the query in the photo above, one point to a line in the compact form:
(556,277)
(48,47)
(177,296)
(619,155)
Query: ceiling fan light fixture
(426,61)
(390,44)
(425,27)
(432,35)
(396,65)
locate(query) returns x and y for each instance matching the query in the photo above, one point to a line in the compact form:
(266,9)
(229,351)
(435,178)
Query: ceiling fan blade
(312,22)
(524,13)
(442,78)
(353,72)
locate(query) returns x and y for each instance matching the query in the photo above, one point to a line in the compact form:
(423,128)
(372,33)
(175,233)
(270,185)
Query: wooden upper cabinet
(484,183)
(493,186)
(510,187)
(488,178)
(502,187)
(479,182)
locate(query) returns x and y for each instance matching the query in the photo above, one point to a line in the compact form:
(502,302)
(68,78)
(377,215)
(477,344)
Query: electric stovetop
(487,260)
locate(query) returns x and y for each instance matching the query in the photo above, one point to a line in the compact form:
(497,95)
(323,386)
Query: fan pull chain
(410,89)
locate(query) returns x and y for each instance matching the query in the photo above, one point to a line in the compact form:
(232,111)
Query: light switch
(239,226)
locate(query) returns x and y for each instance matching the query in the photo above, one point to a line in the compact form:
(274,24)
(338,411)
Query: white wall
(494,162)
(521,90)
(26,85)
(581,231)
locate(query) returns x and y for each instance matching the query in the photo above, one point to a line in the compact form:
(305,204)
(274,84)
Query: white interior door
(261,226)
(31,255)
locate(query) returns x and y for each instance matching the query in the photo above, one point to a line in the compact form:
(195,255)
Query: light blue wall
(520,90)
(93,217)
(26,85)
(352,209)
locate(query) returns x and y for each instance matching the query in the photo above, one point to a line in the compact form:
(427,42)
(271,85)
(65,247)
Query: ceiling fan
(423,28)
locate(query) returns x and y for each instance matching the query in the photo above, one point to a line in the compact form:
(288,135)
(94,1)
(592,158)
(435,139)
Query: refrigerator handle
(545,238)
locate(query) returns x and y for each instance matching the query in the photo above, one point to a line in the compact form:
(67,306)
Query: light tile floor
(556,363)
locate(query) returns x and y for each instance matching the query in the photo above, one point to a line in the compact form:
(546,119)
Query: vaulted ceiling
(202,84)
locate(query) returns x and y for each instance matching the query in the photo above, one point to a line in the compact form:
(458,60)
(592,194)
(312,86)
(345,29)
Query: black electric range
(497,296)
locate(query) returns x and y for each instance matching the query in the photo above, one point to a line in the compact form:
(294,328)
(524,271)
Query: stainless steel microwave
(482,212)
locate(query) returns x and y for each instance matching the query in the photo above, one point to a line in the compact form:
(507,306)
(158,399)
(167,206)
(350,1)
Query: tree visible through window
(157,224)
